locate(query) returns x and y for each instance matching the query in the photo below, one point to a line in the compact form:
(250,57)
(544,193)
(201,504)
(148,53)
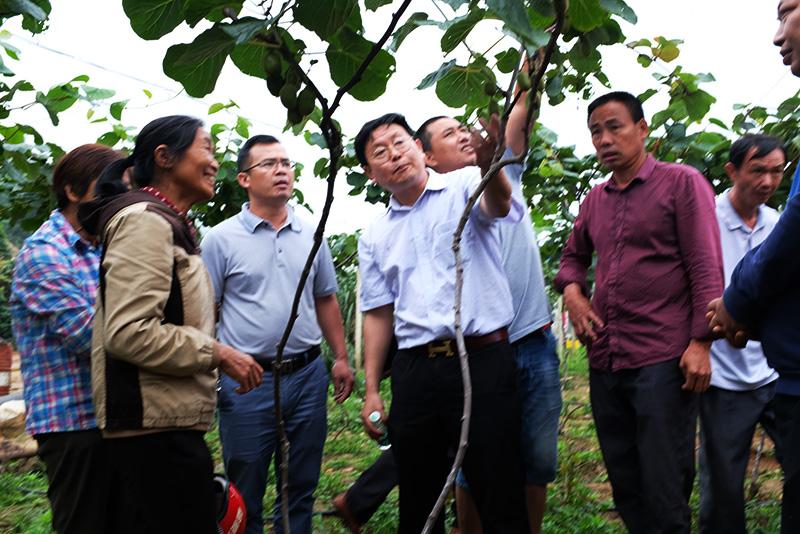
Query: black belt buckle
(440,348)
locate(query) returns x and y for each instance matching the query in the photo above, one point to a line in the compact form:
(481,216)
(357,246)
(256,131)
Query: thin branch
(376,47)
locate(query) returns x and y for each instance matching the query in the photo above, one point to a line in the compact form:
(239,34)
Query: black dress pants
(79,476)
(424,425)
(646,425)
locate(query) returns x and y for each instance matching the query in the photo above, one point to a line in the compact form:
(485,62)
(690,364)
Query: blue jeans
(249,437)
(540,396)
(727,422)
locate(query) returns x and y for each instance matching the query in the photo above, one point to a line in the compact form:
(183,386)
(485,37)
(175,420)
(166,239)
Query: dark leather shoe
(343,509)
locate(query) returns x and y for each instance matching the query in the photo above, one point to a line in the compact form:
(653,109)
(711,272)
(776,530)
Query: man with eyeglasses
(255,260)
(408,280)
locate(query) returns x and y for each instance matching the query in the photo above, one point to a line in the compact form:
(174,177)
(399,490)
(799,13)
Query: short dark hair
(79,168)
(360,142)
(178,132)
(423,135)
(623,97)
(765,144)
(242,161)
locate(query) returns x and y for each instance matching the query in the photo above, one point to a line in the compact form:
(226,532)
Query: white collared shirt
(406,259)
(740,369)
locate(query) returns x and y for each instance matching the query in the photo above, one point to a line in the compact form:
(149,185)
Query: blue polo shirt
(255,270)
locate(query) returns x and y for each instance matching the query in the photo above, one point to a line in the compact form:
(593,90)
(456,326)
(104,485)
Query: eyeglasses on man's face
(382,154)
(271,164)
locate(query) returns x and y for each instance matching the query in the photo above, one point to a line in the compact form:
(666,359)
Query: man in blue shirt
(408,277)
(448,146)
(742,383)
(761,302)
(255,261)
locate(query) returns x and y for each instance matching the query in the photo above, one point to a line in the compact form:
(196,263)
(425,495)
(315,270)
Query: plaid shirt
(52,307)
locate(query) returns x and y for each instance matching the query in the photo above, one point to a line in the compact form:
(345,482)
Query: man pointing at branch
(448,146)
(654,230)
(408,272)
(255,261)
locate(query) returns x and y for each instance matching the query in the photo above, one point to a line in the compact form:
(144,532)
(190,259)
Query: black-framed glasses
(382,154)
(272,164)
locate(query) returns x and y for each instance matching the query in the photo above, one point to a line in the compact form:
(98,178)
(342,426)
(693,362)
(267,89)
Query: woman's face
(195,172)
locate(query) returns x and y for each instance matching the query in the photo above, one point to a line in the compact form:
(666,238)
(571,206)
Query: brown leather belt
(293,362)
(448,347)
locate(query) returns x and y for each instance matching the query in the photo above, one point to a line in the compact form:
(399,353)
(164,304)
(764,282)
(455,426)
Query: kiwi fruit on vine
(494,107)
(274,85)
(288,96)
(524,80)
(294,117)
(272,65)
(305,102)
(489,87)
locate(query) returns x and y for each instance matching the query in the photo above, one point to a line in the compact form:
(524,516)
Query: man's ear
(244,179)
(730,170)
(643,128)
(430,161)
(368,171)
(163,157)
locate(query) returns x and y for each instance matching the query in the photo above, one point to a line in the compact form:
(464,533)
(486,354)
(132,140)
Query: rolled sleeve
(375,291)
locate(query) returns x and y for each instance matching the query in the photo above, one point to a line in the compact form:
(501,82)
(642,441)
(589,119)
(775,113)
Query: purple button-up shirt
(659,263)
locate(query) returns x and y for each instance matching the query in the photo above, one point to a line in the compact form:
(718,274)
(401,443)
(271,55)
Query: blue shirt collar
(436,182)
(252,221)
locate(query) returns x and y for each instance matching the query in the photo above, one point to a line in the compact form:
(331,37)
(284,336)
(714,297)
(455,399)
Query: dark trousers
(424,424)
(79,476)
(646,427)
(727,422)
(787,413)
(164,484)
(370,490)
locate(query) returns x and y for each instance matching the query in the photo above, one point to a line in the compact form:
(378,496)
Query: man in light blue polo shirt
(449,146)
(255,261)
(742,383)
(408,277)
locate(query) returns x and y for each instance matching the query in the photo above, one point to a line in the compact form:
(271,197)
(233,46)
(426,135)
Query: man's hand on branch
(485,145)
(583,317)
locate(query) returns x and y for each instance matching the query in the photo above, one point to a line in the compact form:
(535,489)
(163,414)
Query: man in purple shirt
(654,230)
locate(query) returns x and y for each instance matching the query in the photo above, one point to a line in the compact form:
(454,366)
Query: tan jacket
(153,359)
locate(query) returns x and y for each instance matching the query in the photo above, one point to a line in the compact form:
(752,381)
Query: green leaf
(24,7)
(242,127)
(250,58)
(584,64)
(214,108)
(460,29)
(507,61)
(323,18)
(373,5)
(437,75)
(718,123)
(464,86)
(586,14)
(196,10)
(455,4)
(647,94)
(515,17)
(414,21)
(197,65)
(244,29)
(619,7)
(94,93)
(345,54)
(153,19)
(544,9)
(698,104)
(117,107)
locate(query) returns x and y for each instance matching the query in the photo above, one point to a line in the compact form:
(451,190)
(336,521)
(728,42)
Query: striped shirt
(52,307)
